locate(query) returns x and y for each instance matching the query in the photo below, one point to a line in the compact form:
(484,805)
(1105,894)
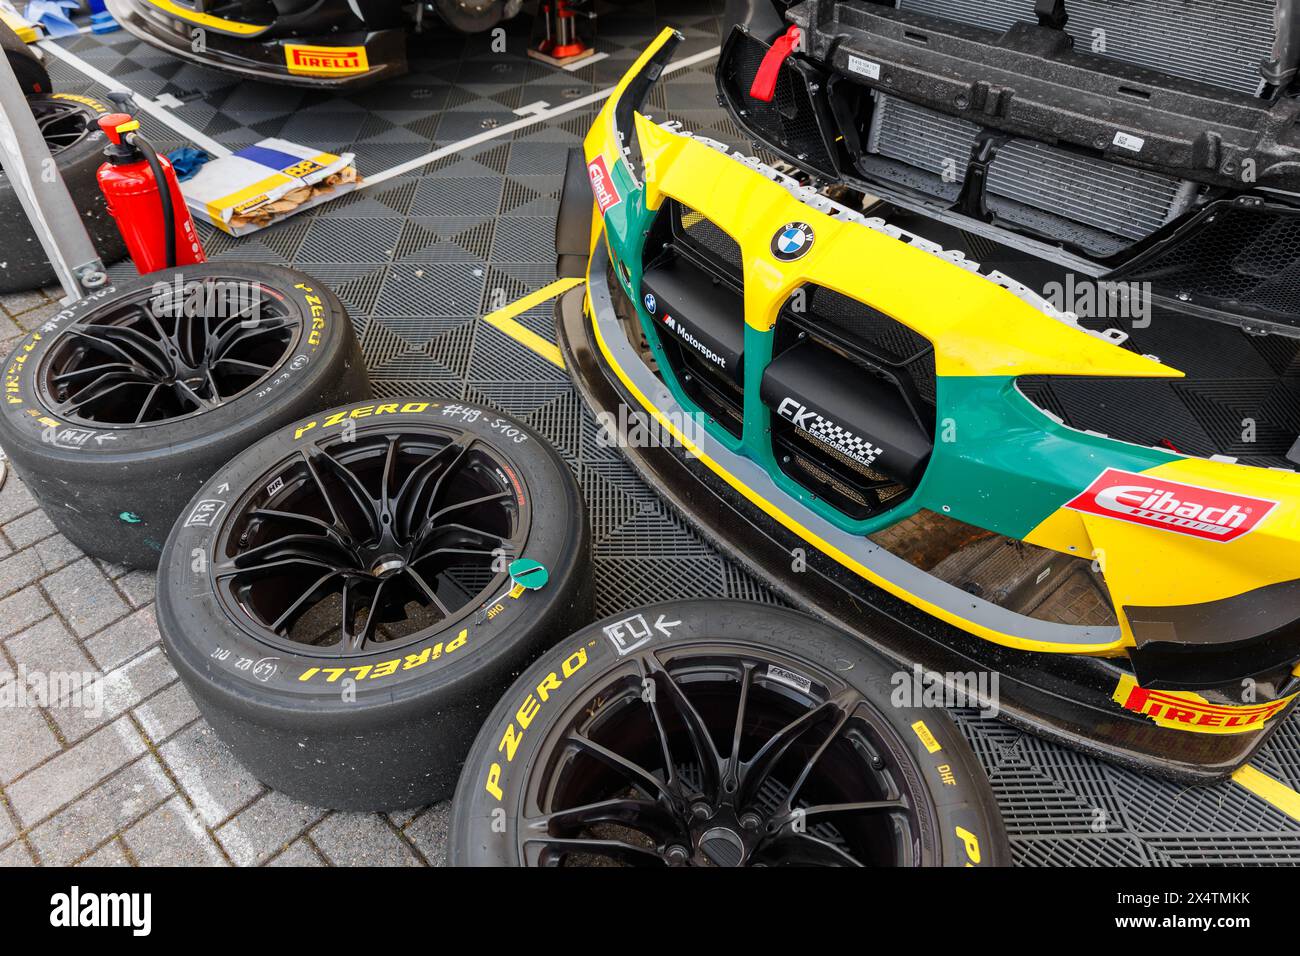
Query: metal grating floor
(418,257)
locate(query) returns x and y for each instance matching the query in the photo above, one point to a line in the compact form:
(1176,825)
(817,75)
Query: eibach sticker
(602,185)
(1198,512)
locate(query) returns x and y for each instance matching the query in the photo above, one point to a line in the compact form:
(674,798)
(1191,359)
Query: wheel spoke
(360,497)
(804,849)
(636,775)
(310,547)
(644,816)
(429,592)
(359,641)
(763,762)
(93,370)
(696,730)
(614,849)
(411,493)
(302,599)
(97,392)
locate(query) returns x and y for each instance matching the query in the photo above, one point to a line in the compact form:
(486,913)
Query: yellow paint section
(208,20)
(1152,567)
(951,306)
(1268,789)
(504,319)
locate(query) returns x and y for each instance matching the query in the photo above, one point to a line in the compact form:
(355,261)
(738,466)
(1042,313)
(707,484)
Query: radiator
(1220,42)
(1114,199)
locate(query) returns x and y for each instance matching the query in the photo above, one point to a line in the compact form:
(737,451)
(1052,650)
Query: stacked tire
(120,406)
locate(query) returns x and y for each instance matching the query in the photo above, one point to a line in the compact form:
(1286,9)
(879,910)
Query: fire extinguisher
(157,227)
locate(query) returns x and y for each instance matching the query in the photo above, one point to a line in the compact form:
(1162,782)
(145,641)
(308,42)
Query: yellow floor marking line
(1268,789)
(504,319)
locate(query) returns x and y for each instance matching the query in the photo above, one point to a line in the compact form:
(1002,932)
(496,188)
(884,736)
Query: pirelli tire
(77,151)
(618,745)
(115,487)
(383,722)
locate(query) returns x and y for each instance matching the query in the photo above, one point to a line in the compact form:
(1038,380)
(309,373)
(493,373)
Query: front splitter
(258,59)
(1063,697)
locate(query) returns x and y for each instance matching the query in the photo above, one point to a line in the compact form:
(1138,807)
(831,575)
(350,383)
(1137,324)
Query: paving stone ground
(144,782)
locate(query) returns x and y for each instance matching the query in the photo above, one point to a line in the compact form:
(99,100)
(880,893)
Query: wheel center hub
(723,847)
(387,566)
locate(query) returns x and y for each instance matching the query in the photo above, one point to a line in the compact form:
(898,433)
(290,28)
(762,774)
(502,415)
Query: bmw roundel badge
(650,303)
(792,241)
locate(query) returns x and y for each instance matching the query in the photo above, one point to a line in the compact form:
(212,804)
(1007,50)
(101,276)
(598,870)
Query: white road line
(146,104)
(577,65)
(373,179)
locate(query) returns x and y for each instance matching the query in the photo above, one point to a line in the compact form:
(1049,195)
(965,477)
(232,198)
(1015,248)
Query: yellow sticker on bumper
(1185,710)
(325,60)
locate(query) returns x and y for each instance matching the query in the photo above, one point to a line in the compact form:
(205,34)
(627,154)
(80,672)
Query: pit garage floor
(463,159)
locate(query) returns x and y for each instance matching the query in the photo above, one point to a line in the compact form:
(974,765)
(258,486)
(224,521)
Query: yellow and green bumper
(1200,557)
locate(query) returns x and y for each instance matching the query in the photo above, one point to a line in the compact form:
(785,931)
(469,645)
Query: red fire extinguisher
(157,227)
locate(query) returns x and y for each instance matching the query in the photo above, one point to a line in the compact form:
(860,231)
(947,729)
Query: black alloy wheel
(718,734)
(343,598)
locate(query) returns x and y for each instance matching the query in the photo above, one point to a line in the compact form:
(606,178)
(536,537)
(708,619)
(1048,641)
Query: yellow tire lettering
(493,785)
(972,846)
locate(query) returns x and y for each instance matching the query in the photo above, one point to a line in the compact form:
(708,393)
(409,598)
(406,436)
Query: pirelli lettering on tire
(387,668)
(363,411)
(528,710)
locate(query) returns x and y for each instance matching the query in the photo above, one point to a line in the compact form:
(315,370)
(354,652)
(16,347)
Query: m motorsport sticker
(602,185)
(1185,710)
(792,241)
(1171,505)
(305,60)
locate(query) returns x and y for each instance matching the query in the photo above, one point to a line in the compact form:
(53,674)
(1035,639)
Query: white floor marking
(532,108)
(585,61)
(373,179)
(153,107)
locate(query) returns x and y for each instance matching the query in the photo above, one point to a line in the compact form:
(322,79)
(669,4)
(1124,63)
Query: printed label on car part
(1171,506)
(864,67)
(688,338)
(827,432)
(325,60)
(789,678)
(602,185)
(1186,710)
(1129,141)
(926,736)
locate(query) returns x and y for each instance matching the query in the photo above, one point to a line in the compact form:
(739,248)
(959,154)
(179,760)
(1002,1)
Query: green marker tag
(529,573)
(130,517)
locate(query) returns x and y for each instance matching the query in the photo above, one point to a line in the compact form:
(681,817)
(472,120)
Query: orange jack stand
(560,43)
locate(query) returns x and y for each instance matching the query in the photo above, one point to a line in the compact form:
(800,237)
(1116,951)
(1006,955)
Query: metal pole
(35,177)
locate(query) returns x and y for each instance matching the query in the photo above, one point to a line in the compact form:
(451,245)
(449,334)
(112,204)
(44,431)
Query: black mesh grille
(790,122)
(705,238)
(1240,396)
(868,337)
(1235,256)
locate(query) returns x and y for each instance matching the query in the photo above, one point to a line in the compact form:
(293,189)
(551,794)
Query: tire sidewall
(224,662)
(963,830)
(26,418)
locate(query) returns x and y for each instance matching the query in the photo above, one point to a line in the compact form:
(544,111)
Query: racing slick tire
(120,406)
(77,151)
(27,66)
(345,598)
(628,742)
